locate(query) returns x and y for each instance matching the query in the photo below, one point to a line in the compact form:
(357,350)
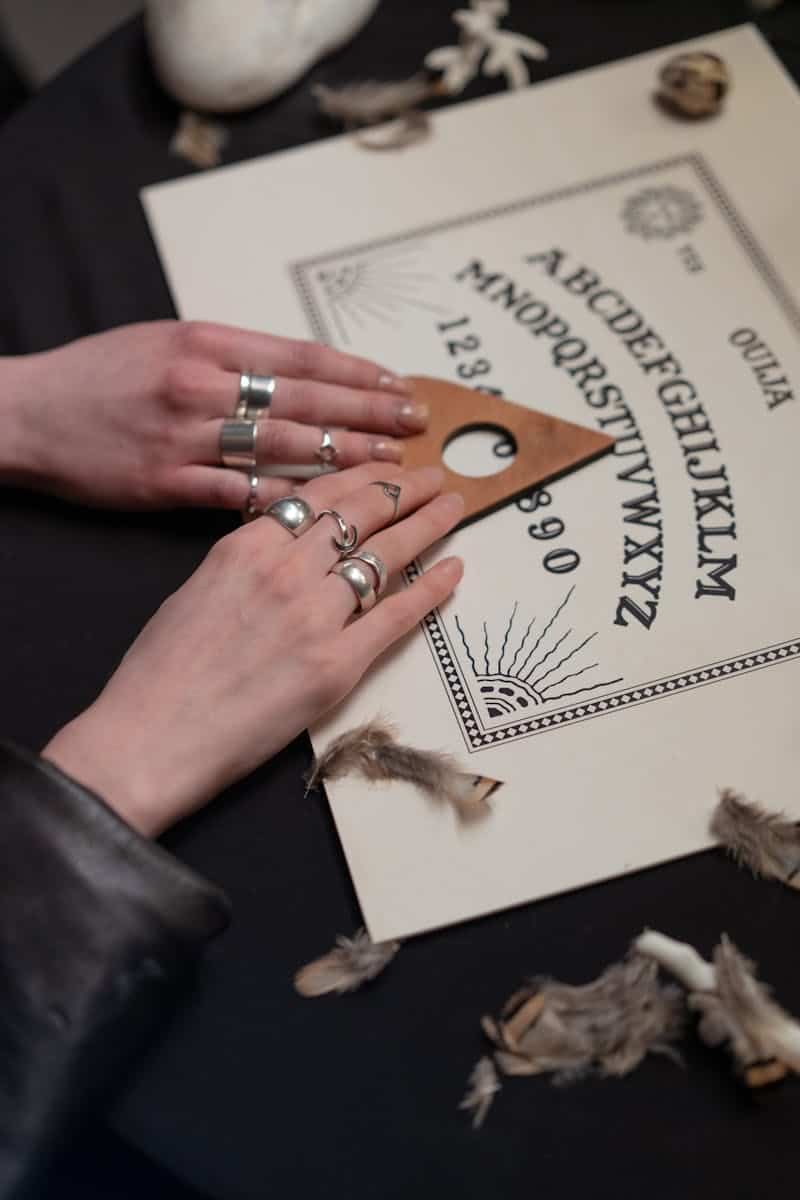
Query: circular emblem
(661,212)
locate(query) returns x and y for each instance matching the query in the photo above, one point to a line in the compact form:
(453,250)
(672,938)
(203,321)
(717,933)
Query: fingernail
(413,416)
(454,567)
(394,383)
(386,452)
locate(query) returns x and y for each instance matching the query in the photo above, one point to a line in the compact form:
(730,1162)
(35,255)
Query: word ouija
(714,515)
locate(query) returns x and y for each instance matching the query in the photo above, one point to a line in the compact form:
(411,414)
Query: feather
(733,1007)
(608,1025)
(484,1084)
(352,962)
(760,1034)
(413,127)
(370,102)
(372,751)
(199,140)
(765,842)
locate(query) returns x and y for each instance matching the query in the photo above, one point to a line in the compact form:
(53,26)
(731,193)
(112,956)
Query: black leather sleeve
(99,929)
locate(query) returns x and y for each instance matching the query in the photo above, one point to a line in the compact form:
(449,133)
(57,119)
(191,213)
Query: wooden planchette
(546,446)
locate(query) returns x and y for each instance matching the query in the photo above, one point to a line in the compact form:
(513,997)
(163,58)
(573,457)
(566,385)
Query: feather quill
(350,964)
(765,842)
(734,1007)
(371,750)
(607,1026)
(483,1086)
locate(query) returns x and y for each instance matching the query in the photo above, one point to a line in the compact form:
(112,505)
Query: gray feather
(352,962)
(372,751)
(607,1026)
(484,1084)
(765,842)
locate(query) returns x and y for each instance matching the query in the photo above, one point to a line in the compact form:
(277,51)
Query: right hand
(255,647)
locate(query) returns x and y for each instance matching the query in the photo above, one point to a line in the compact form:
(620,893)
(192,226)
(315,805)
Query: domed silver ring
(293,513)
(357,577)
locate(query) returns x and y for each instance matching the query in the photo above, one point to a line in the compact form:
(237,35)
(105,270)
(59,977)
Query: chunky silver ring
(237,444)
(349,538)
(327,452)
(356,576)
(255,396)
(392,492)
(378,566)
(251,508)
(293,513)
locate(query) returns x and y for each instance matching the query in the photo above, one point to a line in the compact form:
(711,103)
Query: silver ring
(357,578)
(237,444)
(327,452)
(251,508)
(349,538)
(392,492)
(293,513)
(255,396)
(378,566)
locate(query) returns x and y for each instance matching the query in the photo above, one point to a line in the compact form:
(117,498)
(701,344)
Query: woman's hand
(132,418)
(255,647)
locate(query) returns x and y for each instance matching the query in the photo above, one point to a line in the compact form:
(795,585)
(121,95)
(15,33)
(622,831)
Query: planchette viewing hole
(479,450)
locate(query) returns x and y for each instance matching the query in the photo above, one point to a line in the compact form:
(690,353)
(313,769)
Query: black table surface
(253,1092)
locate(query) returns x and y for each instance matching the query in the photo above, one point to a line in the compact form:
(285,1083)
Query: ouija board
(623,642)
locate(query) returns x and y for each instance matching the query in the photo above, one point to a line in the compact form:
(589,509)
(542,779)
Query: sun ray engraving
(510,692)
(376,287)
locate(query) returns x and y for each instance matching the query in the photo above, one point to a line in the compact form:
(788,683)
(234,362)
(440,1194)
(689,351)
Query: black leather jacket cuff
(98,928)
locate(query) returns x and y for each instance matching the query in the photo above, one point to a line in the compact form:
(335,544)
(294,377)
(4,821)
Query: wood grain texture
(546,446)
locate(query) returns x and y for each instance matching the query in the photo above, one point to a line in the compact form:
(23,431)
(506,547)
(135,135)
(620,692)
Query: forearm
(98,929)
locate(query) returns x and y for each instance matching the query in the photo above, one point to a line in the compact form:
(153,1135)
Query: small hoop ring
(327,453)
(349,534)
(392,492)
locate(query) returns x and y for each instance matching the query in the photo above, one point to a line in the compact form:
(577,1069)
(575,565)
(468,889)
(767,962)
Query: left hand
(132,418)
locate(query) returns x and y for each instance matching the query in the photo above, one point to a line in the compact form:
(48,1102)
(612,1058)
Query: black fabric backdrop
(253,1092)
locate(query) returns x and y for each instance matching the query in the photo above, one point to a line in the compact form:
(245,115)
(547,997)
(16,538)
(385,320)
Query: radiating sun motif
(376,287)
(543,668)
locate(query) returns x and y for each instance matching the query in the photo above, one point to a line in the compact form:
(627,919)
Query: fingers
(239,350)
(213,487)
(366,510)
(323,404)
(392,618)
(287,443)
(398,546)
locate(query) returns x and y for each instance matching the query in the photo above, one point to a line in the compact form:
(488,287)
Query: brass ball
(694,84)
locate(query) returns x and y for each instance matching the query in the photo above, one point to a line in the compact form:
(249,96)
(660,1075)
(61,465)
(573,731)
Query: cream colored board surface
(612,686)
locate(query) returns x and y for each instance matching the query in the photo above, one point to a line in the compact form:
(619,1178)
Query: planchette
(546,446)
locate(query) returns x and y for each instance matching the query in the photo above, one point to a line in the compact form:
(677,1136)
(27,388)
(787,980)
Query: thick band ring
(237,444)
(349,538)
(293,513)
(327,452)
(377,564)
(356,576)
(255,396)
(392,492)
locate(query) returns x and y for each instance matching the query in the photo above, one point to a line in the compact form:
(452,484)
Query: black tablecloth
(254,1092)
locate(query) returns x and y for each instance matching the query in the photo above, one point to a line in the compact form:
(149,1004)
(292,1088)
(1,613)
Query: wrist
(18,453)
(97,754)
